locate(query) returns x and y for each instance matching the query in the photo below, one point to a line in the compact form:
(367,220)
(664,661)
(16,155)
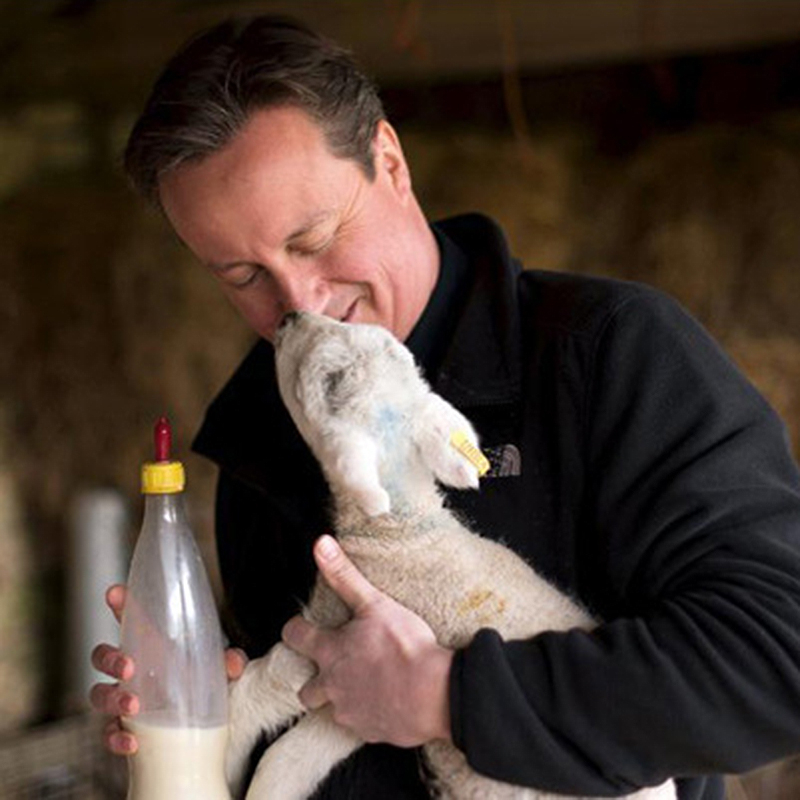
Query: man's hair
(213,84)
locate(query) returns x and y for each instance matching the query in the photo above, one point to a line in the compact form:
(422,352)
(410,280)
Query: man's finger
(119,741)
(301,636)
(235,662)
(112,662)
(342,575)
(115,599)
(313,695)
(108,698)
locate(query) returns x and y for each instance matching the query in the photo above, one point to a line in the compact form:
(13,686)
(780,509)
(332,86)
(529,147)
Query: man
(632,464)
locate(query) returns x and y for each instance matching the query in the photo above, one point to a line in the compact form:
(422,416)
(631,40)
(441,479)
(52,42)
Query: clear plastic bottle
(171,629)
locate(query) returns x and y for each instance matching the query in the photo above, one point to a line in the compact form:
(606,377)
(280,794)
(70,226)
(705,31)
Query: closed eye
(238,276)
(248,281)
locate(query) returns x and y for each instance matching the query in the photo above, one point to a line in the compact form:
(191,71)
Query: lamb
(383,439)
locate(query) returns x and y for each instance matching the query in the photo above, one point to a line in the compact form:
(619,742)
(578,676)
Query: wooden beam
(111,52)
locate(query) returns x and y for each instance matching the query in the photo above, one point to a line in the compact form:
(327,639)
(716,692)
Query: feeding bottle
(171,629)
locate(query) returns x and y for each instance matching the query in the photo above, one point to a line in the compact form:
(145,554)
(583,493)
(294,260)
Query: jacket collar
(248,432)
(482,364)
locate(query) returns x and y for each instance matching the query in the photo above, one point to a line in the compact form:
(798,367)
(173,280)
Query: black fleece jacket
(634,466)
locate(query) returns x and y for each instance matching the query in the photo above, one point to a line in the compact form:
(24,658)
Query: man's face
(284,225)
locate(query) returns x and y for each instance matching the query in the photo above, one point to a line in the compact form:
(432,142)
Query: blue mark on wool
(393,448)
(388,420)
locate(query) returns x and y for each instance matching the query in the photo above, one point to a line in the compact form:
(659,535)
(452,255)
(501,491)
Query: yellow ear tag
(459,440)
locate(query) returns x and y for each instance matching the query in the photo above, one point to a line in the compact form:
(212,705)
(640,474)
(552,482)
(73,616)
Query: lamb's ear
(350,462)
(448,444)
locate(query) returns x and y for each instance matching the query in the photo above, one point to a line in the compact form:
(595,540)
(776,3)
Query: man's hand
(383,672)
(111,699)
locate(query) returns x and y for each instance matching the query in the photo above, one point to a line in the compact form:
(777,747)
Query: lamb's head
(359,401)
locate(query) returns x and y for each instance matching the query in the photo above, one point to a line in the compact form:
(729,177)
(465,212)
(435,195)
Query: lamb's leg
(295,764)
(264,699)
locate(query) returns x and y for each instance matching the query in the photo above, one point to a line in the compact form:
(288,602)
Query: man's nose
(302,291)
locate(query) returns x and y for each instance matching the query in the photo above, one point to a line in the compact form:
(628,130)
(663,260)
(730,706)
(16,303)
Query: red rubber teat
(163,439)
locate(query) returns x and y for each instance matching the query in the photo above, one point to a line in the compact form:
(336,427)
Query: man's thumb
(342,575)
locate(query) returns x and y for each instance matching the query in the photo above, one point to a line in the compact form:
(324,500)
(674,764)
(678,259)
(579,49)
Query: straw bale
(109,324)
(709,215)
(772,362)
(527,185)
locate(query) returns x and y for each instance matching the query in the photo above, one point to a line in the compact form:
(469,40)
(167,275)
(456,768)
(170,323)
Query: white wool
(383,440)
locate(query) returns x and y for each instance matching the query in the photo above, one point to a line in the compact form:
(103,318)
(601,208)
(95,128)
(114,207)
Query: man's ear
(390,159)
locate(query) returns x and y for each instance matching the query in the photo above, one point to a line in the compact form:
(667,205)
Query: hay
(527,187)
(709,215)
(109,324)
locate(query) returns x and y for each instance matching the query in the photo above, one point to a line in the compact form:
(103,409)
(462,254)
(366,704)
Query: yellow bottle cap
(163,477)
